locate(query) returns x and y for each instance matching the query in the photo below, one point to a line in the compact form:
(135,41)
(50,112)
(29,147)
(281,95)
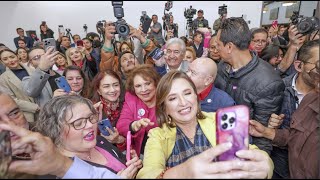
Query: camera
(85,27)
(222,10)
(305,25)
(168,5)
(122,27)
(189,13)
(100,26)
(68,30)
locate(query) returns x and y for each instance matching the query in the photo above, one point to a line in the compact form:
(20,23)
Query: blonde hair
(193,52)
(69,61)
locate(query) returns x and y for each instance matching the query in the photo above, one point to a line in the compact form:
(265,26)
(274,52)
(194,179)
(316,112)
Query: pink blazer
(134,109)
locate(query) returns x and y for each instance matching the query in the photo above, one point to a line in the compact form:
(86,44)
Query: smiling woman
(138,112)
(71,122)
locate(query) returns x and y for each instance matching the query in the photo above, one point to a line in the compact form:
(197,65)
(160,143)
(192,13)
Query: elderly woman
(138,112)
(184,146)
(71,122)
(11,83)
(84,61)
(109,93)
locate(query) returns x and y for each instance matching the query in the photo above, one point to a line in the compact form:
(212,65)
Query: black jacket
(257,86)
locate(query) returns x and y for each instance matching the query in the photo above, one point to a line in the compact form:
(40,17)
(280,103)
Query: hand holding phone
(156,54)
(62,83)
(103,125)
(49,42)
(232,126)
(128,146)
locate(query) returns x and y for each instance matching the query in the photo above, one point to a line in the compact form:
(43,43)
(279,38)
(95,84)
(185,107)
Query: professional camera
(68,30)
(168,5)
(222,10)
(305,25)
(85,27)
(189,13)
(144,17)
(122,27)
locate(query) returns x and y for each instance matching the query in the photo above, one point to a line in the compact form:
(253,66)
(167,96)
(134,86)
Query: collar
(205,92)
(168,69)
(294,87)
(80,66)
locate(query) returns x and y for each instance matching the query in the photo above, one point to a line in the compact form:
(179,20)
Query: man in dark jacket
(28,40)
(245,77)
(203,72)
(297,86)
(200,21)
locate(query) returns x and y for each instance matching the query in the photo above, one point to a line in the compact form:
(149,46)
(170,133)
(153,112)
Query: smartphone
(5,153)
(61,29)
(232,126)
(80,43)
(62,83)
(103,124)
(49,42)
(156,54)
(128,146)
(274,23)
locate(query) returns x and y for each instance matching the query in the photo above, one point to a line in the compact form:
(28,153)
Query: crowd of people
(168,105)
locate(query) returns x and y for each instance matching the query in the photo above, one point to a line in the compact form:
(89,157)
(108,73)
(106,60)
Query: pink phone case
(232,126)
(128,145)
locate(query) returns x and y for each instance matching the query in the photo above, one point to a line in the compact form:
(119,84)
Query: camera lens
(224,117)
(231,120)
(224,126)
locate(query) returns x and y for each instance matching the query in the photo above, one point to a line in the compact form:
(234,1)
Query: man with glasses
(41,83)
(11,113)
(297,85)
(258,40)
(203,72)
(297,138)
(27,40)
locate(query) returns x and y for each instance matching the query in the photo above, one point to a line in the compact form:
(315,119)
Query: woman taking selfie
(184,144)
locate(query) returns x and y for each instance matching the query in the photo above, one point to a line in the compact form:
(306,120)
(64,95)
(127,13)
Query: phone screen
(156,54)
(5,153)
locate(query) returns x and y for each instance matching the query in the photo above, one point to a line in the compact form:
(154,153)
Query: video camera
(100,26)
(222,10)
(145,21)
(305,25)
(168,5)
(85,27)
(122,27)
(189,13)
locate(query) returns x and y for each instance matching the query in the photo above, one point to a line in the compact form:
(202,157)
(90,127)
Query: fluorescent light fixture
(288,3)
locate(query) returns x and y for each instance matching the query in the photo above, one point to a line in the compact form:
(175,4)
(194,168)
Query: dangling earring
(169,120)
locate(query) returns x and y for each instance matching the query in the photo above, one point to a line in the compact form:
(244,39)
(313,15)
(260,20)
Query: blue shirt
(82,170)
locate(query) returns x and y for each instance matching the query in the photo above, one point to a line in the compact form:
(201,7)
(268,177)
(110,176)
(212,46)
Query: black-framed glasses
(82,122)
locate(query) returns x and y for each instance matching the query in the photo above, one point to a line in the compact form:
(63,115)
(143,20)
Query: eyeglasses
(317,66)
(279,56)
(82,122)
(259,41)
(175,52)
(36,58)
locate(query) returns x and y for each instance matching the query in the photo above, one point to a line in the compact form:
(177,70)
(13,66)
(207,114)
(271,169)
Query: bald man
(203,72)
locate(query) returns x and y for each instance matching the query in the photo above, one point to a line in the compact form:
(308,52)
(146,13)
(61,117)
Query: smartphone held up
(233,126)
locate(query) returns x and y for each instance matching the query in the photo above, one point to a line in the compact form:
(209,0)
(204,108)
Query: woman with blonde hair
(84,61)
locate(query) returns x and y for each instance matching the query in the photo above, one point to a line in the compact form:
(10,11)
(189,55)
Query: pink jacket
(134,109)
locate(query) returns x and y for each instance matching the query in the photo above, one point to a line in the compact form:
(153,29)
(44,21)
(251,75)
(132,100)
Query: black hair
(235,30)
(259,30)
(304,53)
(270,51)
(18,29)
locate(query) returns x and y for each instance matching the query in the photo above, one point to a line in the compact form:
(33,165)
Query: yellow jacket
(161,142)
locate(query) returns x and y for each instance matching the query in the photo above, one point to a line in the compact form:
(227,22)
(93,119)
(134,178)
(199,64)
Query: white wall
(28,15)
(306,9)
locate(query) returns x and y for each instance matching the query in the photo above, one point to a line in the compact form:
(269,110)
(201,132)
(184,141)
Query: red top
(205,93)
